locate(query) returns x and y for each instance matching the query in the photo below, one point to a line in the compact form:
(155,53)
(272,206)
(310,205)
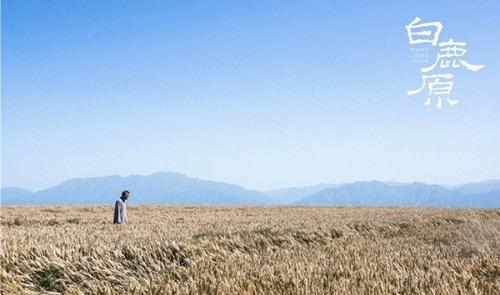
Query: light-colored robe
(120,215)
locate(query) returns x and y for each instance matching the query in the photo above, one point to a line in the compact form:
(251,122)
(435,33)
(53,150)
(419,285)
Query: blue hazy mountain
(291,195)
(376,193)
(176,188)
(158,188)
(478,187)
(15,195)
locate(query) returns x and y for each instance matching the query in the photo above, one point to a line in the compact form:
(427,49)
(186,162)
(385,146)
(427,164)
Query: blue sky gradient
(265,94)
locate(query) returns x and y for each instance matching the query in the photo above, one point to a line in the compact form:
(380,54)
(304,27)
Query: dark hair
(124,193)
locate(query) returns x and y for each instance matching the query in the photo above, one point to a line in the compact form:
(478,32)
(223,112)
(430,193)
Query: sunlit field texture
(249,250)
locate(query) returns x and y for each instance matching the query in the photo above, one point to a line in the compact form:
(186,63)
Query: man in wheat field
(120,215)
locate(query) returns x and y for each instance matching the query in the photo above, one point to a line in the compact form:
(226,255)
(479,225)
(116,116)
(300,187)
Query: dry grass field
(250,250)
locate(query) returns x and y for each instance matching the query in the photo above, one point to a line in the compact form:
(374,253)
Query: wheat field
(249,250)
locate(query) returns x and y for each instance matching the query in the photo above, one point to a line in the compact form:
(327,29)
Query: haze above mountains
(177,189)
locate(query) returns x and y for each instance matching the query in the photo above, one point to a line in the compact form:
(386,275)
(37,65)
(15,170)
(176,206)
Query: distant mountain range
(157,188)
(376,193)
(176,188)
(292,195)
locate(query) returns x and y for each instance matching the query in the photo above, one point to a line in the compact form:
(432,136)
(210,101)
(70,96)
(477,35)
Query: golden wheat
(250,250)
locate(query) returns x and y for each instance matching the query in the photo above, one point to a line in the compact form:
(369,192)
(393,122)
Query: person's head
(125,195)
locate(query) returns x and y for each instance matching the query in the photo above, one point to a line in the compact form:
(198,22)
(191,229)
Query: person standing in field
(120,215)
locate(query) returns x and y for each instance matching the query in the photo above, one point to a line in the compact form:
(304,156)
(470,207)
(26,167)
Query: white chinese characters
(424,32)
(450,55)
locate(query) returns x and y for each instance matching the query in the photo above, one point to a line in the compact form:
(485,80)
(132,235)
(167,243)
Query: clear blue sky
(260,93)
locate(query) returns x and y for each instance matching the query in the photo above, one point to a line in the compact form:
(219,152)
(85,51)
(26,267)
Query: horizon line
(259,190)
